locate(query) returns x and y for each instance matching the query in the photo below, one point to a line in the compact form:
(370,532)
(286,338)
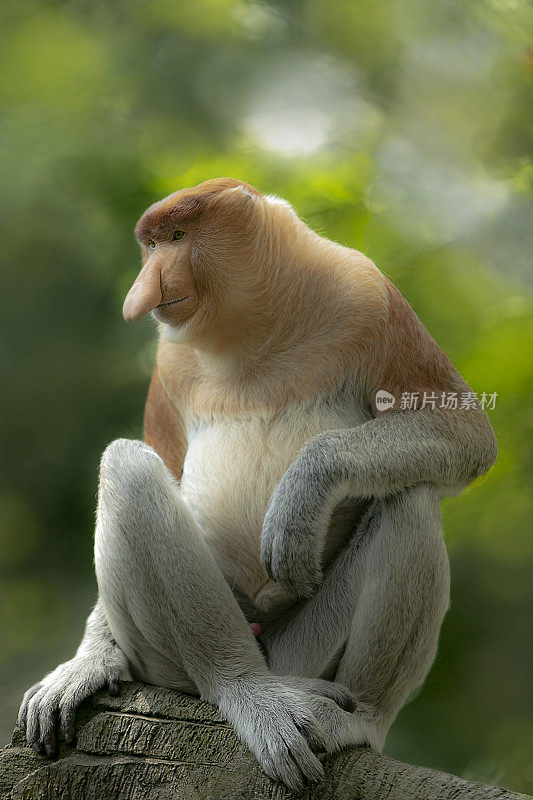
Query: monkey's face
(165,284)
(187,241)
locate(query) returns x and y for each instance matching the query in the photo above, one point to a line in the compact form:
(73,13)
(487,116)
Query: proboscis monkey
(271,490)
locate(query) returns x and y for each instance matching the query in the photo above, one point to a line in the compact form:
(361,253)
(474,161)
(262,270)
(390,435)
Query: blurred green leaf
(398,127)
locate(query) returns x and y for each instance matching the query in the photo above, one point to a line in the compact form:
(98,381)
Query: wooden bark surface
(155,744)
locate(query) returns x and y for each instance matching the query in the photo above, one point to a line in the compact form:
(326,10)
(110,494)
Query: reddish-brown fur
(182,208)
(286,317)
(412,360)
(162,427)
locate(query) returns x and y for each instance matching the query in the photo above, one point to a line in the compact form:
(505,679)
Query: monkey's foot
(274,717)
(51,704)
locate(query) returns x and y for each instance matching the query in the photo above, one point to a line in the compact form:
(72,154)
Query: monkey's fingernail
(69,733)
(114,687)
(50,749)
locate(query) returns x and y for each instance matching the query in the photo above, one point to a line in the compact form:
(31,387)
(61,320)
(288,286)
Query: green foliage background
(399,127)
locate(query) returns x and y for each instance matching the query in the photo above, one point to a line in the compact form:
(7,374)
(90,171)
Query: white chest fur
(231,469)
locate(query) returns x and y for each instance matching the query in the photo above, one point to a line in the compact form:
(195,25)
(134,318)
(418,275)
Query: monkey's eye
(178,235)
(151,244)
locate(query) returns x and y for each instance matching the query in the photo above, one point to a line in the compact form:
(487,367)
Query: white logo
(384,400)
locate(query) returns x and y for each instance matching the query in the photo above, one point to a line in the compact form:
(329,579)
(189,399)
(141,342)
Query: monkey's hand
(60,693)
(296,523)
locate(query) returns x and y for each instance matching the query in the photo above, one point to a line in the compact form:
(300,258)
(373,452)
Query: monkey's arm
(401,449)
(383,456)
(163,427)
(387,454)
(98,662)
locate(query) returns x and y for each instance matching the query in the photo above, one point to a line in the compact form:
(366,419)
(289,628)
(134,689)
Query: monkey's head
(203,256)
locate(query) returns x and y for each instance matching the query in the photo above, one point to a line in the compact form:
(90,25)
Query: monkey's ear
(145,294)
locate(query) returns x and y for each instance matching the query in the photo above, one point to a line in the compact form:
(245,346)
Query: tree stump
(154,744)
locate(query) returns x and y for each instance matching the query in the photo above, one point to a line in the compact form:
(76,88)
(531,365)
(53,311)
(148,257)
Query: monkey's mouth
(173,302)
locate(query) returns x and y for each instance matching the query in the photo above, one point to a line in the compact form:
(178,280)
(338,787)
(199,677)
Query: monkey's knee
(418,507)
(413,520)
(416,551)
(128,465)
(136,498)
(133,477)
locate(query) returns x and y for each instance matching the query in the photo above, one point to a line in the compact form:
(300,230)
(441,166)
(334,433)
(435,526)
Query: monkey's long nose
(145,294)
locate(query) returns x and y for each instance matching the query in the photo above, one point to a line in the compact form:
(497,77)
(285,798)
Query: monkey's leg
(166,600)
(380,607)
(175,617)
(98,662)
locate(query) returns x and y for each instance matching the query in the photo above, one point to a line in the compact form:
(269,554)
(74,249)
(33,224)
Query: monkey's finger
(48,714)
(314,735)
(266,552)
(67,714)
(300,575)
(335,691)
(280,766)
(288,773)
(50,744)
(32,720)
(307,763)
(114,686)
(23,711)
